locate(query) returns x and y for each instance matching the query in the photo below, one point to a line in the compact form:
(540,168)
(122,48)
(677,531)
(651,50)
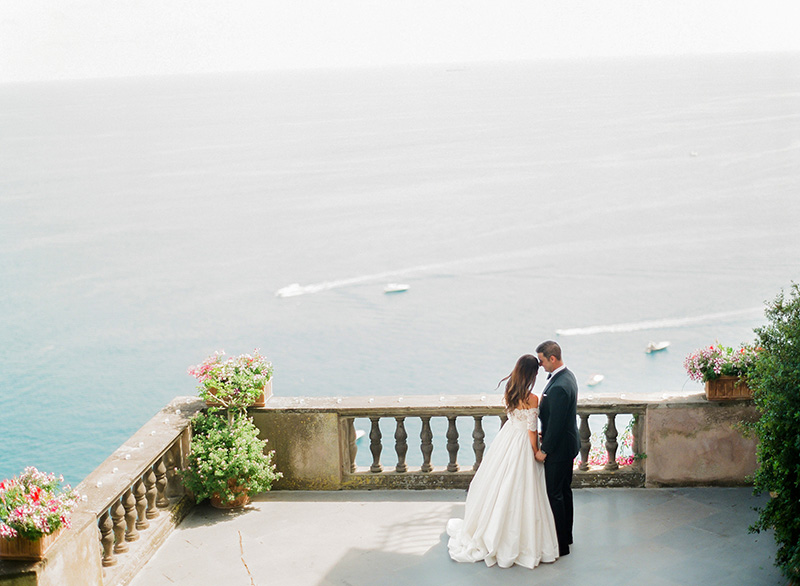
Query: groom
(560,441)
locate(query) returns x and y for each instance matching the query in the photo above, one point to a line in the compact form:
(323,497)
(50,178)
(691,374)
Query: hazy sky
(54,39)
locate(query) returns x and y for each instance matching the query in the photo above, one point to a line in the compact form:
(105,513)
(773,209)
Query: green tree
(775,381)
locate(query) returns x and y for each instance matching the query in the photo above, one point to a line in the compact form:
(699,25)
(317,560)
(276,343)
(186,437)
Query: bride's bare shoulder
(532,402)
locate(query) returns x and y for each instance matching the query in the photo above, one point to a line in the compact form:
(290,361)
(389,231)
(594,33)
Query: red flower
(35,495)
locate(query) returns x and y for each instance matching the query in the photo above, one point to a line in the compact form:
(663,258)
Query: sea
(146,223)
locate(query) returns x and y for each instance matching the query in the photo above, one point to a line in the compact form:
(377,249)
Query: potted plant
(226,461)
(34,509)
(238,382)
(723,369)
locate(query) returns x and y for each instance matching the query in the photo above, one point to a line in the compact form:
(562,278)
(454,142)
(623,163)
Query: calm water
(145,223)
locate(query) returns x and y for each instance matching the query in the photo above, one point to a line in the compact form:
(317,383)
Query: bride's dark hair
(520,382)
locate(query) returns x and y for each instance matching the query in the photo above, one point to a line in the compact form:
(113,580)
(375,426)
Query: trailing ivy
(775,381)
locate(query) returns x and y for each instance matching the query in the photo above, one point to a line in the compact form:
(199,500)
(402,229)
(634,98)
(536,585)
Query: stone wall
(307,447)
(691,441)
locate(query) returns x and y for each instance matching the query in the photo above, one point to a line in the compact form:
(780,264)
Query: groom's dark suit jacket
(558,414)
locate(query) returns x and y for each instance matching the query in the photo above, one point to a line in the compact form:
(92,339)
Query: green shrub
(775,381)
(226,447)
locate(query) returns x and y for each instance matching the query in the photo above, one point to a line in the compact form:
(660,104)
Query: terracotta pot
(727,388)
(266,393)
(19,548)
(240,501)
(241,498)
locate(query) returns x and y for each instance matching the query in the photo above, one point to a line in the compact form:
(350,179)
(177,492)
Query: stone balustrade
(137,495)
(317,440)
(131,503)
(135,498)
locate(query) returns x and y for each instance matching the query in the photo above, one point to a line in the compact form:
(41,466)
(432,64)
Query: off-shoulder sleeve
(531,415)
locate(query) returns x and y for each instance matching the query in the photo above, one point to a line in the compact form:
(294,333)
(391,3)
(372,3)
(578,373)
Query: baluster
(150,493)
(636,446)
(175,464)
(129,502)
(611,443)
(503,419)
(452,443)
(401,445)
(140,495)
(375,445)
(107,539)
(426,435)
(118,517)
(477,444)
(351,443)
(162,502)
(586,443)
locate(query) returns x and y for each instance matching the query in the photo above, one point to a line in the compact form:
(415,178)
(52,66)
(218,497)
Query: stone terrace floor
(647,537)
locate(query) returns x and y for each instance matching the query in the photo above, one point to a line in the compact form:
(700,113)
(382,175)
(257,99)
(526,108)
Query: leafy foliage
(226,456)
(775,381)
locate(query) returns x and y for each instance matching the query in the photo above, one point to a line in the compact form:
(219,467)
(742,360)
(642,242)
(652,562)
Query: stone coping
(466,404)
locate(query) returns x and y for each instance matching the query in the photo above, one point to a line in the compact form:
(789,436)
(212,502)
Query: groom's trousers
(558,479)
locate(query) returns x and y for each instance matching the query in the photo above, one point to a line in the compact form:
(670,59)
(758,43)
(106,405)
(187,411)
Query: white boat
(395,288)
(656,347)
(360,433)
(290,290)
(595,379)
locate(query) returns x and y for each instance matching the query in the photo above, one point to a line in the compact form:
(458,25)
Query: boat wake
(655,324)
(296,289)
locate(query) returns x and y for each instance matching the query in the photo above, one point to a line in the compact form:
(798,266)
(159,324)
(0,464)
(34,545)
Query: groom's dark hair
(549,349)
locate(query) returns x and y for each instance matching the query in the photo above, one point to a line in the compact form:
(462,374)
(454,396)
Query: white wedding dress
(508,519)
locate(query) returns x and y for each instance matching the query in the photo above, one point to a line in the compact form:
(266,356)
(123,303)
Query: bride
(508,519)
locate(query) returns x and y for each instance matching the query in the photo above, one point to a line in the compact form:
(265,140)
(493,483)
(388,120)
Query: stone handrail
(136,495)
(316,447)
(677,440)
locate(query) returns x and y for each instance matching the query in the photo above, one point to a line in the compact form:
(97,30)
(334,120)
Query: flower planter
(240,500)
(727,388)
(19,548)
(266,393)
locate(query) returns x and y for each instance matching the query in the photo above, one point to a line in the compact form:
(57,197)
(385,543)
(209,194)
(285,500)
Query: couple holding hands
(519,505)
